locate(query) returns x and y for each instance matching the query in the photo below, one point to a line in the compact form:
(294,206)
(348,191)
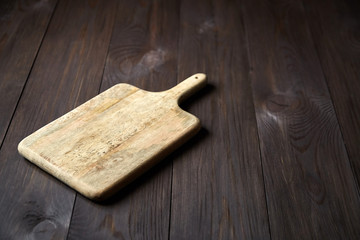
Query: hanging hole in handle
(196,77)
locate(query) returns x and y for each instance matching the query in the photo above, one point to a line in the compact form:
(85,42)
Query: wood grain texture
(295,48)
(213,196)
(22,27)
(68,66)
(335,29)
(142,52)
(311,192)
(107,142)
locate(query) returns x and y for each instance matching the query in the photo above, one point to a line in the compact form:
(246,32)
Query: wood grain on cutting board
(108,141)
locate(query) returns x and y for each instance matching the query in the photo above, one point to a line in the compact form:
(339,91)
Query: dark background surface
(278,156)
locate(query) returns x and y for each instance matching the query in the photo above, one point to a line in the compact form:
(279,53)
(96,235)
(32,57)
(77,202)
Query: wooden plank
(143,52)
(335,28)
(218,190)
(68,70)
(22,27)
(310,187)
(113,138)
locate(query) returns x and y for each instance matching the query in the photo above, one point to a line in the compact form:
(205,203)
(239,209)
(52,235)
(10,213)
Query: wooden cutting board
(107,142)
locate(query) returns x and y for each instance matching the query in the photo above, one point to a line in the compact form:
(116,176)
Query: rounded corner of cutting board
(22,143)
(92,193)
(97,194)
(21,146)
(196,126)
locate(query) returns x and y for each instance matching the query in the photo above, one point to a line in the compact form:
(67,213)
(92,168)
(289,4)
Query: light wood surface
(107,142)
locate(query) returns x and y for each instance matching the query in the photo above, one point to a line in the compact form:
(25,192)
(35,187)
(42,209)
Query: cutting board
(107,142)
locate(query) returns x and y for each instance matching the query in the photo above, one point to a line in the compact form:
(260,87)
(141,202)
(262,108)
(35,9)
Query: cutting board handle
(188,87)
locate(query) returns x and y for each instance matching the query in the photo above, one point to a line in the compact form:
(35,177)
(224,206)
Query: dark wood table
(278,156)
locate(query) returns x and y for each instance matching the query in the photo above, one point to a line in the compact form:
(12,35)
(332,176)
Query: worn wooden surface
(277,157)
(22,28)
(81,32)
(296,116)
(113,138)
(338,23)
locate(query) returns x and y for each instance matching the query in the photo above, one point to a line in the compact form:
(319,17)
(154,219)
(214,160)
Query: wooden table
(278,156)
